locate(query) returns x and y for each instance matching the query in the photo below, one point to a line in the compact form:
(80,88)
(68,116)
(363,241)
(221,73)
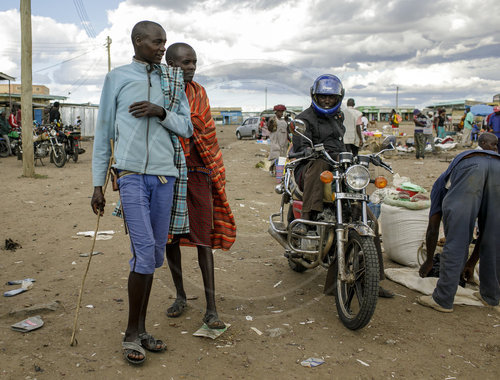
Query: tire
(76,150)
(4,149)
(254,135)
(238,135)
(61,158)
(356,300)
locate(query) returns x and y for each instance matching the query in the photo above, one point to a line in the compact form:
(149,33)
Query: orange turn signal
(380,182)
(326,177)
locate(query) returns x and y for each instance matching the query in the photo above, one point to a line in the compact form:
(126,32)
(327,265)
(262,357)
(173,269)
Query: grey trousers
(474,193)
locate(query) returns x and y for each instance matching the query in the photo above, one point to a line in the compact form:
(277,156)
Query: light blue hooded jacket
(141,145)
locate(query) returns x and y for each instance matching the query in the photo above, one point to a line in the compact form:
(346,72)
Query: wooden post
(26,90)
(108,46)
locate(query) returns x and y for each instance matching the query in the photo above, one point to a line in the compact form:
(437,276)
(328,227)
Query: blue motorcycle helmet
(327,84)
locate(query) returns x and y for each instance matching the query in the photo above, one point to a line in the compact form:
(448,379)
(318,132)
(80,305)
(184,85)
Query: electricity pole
(27,90)
(108,46)
(265,108)
(397,96)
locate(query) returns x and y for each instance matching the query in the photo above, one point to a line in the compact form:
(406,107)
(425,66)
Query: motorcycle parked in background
(341,238)
(70,138)
(45,144)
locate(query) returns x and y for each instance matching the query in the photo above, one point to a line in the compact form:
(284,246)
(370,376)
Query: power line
(82,14)
(65,61)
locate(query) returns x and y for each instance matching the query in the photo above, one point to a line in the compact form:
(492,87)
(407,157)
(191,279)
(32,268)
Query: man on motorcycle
(324,124)
(4,130)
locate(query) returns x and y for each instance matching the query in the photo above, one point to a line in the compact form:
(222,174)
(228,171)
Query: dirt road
(403,340)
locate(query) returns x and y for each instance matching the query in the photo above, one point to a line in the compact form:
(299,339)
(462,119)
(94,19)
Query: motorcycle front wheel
(356,297)
(61,158)
(4,149)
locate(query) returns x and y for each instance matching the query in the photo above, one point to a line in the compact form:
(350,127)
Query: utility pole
(27,90)
(265,108)
(108,46)
(397,96)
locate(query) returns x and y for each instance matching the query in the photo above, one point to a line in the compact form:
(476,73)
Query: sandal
(177,308)
(213,322)
(152,344)
(133,348)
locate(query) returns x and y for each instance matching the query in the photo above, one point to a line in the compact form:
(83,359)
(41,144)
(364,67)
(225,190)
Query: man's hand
(98,202)
(145,108)
(425,268)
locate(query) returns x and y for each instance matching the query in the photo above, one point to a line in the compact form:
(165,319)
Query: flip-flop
(213,322)
(151,344)
(176,309)
(133,347)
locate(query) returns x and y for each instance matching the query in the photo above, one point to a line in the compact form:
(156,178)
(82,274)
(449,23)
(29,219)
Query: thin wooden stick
(79,302)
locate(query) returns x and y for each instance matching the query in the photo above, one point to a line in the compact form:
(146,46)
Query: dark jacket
(54,114)
(328,130)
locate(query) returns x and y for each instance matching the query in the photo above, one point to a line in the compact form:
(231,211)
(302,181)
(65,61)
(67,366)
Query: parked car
(249,128)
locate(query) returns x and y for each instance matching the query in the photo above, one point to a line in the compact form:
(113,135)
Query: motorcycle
(4,147)
(70,137)
(45,144)
(341,238)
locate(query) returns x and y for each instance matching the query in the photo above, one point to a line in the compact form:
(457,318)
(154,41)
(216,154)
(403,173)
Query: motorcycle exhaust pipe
(282,239)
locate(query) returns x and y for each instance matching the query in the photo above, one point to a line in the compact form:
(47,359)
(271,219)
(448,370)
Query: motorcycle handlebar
(296,154)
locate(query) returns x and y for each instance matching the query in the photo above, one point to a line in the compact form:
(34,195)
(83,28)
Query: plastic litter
(311,362)
(362,362)
(28,324)
(25,285)
(278,284)
(86,254)
(206,332)
(19,282)
(249,318)
(256,330)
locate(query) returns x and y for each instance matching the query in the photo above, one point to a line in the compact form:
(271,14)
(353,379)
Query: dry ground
(403,340)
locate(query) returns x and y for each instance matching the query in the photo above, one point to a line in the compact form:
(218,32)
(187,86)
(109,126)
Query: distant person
(364,121)
(494,123)
(211,221)
(468,124)
(14,124)
(278,129)
(440,121)
(54,114)
(428,133)
(467,190)
(5,130)
(353,139)
(78,122)
(420,121)
(264,132)
(394,119)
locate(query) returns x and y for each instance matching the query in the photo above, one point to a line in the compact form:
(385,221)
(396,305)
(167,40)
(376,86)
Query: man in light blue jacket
(132,114)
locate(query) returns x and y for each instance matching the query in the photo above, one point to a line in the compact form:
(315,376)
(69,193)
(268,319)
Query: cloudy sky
(432,50)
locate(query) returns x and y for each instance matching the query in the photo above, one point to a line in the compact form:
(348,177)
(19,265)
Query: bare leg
(175,265)
(206,261)
(139,287)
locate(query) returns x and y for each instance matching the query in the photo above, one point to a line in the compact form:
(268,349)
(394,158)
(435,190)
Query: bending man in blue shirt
(467,190)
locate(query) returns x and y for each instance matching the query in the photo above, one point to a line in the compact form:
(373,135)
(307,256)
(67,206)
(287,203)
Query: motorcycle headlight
(357,177)
(53,132)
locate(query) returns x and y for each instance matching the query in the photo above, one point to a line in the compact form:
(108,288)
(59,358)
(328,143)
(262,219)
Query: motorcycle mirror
(297,126)
(391,147)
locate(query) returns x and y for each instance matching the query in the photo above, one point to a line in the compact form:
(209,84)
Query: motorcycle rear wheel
(356,300)
(61,158)
(76,150)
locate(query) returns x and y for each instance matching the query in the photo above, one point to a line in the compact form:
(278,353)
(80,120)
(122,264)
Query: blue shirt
(494,123)
(142,145)
(439,189)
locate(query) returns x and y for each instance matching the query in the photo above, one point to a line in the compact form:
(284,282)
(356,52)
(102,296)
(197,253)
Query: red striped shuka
(223,233)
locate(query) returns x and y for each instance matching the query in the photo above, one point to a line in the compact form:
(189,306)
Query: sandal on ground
(213,322)
(152,344)
(133,348)
(177,308)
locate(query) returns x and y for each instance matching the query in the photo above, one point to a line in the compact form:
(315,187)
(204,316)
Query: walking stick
(73,341)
